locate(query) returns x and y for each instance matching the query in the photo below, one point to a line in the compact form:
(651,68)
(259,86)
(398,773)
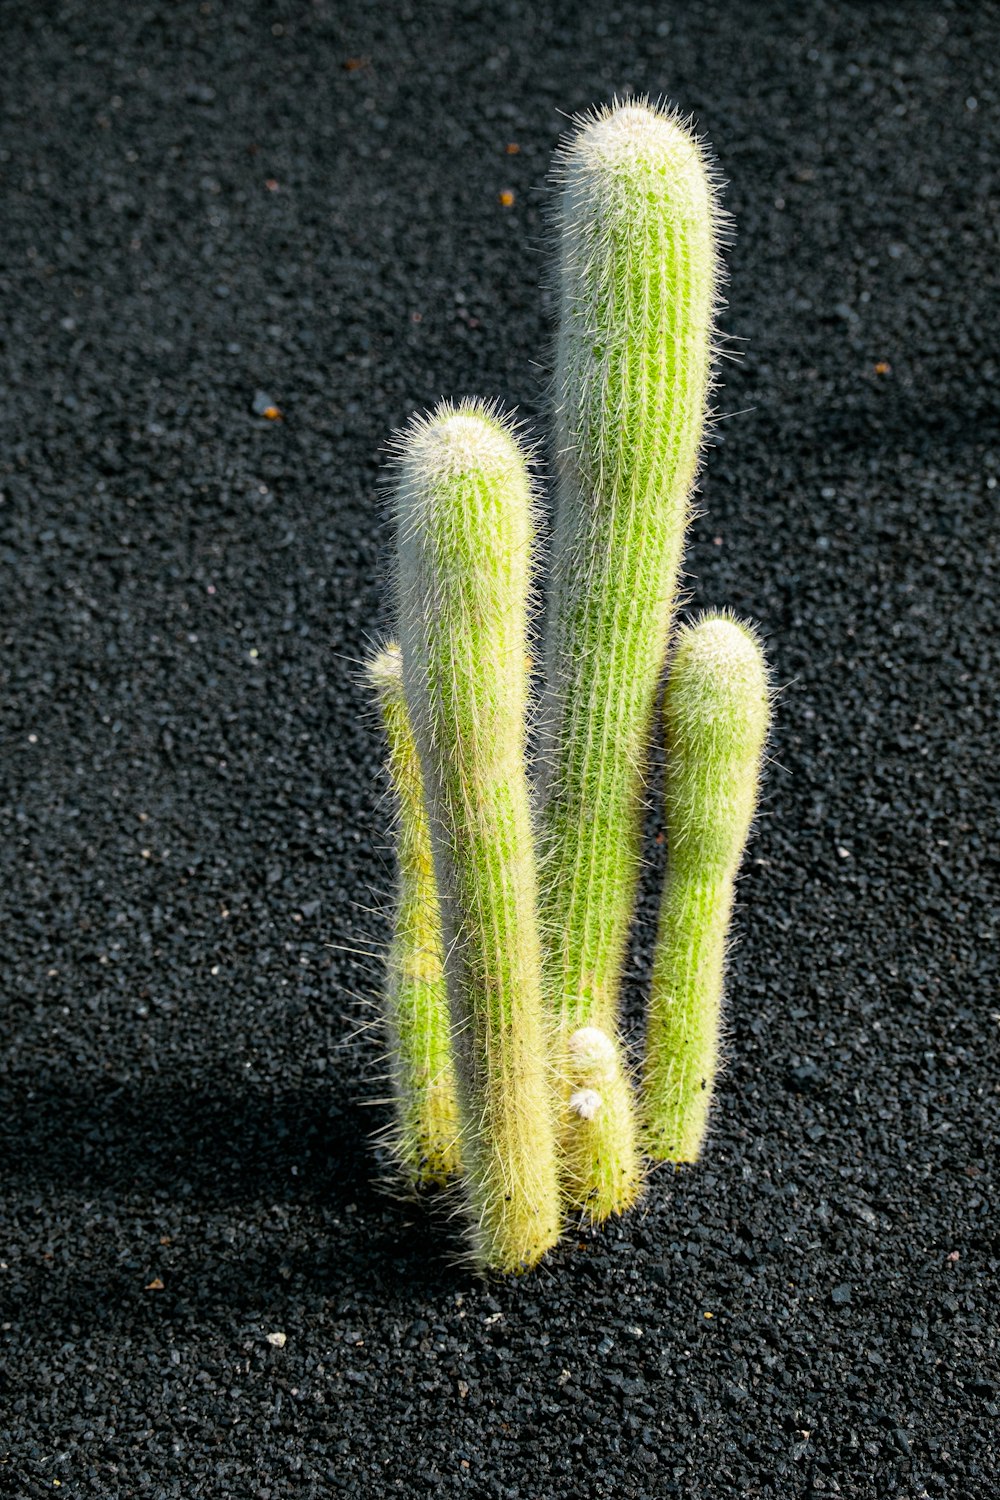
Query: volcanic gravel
(242,242)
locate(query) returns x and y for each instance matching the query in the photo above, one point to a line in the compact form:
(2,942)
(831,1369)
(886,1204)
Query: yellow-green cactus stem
(425,1135)
(716,711)
(637,222)
(464,512)
(598,1097)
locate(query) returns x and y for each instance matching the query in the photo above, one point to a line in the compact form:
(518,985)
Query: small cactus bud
(717,711)
(585,1103)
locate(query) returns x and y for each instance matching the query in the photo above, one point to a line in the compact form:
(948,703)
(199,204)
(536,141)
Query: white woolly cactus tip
(592,1052)
(724,676)
(471,442)
(385,671)
(585,1104)
(637,137)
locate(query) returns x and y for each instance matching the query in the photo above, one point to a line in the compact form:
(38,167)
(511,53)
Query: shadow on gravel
(229,1143)
(240,1202)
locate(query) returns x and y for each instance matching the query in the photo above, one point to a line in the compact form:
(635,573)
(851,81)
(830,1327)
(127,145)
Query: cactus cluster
(517,883)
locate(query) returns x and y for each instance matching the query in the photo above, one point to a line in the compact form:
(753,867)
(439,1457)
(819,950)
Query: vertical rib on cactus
(465,528)
(716,709)
(636,220)
(418,1025)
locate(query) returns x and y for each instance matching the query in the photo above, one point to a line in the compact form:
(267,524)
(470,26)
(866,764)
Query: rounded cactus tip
(591,1052)
(385,669)
(468,437)
(719,679)
(635,137)
(585,1104)
(631,128)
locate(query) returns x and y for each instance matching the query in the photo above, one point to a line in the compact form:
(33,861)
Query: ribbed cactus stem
(638,268)
(465,530)
(716,711)
(418,1025)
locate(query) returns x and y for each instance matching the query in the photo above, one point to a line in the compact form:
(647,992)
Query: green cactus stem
(464,512)
(424,1138)
(637,222)
(716,710)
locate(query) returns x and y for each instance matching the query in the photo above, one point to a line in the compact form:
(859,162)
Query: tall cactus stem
(716,711)
(637,222)
(424,1138)
(464,512)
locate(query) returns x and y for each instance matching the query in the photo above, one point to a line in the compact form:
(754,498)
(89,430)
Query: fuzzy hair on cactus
(424,1136)
(637,221)
(524,903)
(716,713)
(465,528)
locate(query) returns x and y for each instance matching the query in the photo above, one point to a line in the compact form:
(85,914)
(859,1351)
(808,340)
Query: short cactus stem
(716,711)
(637,221)
(424,1139)
(599,1177)
(464,511)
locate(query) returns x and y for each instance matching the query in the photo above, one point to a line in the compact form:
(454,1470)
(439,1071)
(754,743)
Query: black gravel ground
(212,208)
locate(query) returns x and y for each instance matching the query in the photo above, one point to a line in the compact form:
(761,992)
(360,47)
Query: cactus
(548,1117)
(716,712)
(424,1138)
(464,513)
(637,219)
